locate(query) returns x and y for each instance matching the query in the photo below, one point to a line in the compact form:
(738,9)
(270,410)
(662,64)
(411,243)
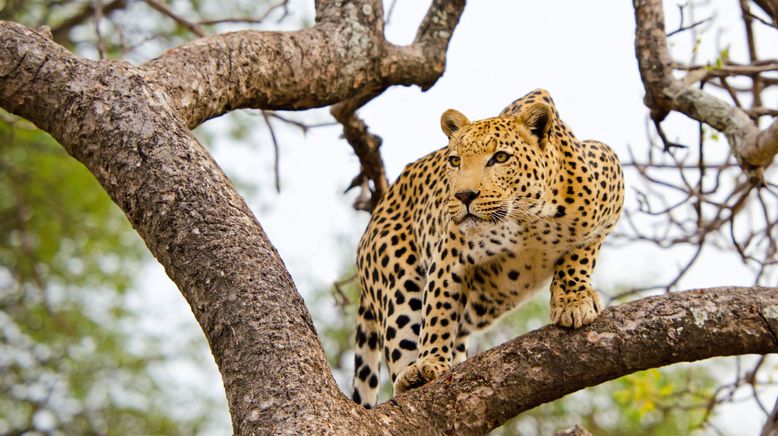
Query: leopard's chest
(512,242)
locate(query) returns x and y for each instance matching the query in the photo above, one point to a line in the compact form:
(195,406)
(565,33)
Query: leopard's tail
(367,358)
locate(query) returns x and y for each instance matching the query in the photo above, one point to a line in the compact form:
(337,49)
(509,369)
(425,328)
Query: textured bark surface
(130,127)
(490,388)
(664,93)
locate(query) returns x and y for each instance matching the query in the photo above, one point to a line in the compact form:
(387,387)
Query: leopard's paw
(575,309)
(418,374)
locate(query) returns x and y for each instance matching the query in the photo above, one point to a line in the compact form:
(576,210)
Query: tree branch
(164,9)
(339,58)
(60,33)
(543,365)
(427,54)
(130,128)
(367,148)
(193,221)
(664,93)
(770,7)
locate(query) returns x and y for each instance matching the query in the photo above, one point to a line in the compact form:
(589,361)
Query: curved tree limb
(193,221)
(546,364)
(664,93)
(131,129)
(341,56)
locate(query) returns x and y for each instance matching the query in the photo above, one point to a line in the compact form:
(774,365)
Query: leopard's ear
(451,121)
(538,119)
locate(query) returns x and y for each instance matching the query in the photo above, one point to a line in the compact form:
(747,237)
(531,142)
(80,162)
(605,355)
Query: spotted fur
(468,232)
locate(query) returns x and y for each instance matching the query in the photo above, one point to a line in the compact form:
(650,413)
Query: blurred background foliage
(71,359)
(67,258)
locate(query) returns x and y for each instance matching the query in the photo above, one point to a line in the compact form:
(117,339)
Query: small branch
(341,299)
(389,12)
(730,69)
(60,33)
(689,27)
(770,7)
(283,4)
(770,427)
(756,85)
(367,148)
(166,10)
(276,152)
(664,93)
(303,126)
(97,19)
(762,112)
(763,21)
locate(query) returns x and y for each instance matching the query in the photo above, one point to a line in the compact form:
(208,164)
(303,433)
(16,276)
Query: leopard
(514,204)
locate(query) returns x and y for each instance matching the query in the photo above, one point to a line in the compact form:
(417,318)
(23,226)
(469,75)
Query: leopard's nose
(466,197)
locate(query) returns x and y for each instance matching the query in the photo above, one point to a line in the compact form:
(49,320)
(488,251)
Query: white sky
(581,51)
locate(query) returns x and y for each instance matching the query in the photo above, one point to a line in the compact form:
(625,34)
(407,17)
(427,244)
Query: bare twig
(770,427)
(283,4)
(683,28)
(303,126)
(756,92)
(166,10)
(341,299)
(390,11)
(276,151)
(98,17)
(366,146)
(664,93)
(60,33)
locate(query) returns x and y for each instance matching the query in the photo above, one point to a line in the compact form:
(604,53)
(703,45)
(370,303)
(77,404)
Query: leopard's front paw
(575,309)
(418,374)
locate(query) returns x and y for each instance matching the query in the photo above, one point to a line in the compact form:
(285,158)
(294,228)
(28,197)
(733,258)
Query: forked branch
(664,93)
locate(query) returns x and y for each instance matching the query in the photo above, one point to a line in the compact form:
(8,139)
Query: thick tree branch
(129,126)
(340,57)
(424,60)
(664,93)
(193,221)
(546,364)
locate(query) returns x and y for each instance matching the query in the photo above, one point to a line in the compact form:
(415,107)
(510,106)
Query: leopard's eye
(499,157)
(454,161)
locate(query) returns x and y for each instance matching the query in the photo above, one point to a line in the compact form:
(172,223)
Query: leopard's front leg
(573,301)
(441,313)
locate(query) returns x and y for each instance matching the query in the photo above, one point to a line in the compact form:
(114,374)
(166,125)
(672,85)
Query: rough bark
(551,362)
(108,117)
(664,93)
(130,127)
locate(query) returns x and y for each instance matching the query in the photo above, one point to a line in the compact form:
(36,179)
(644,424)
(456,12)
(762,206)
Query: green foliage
(67,256)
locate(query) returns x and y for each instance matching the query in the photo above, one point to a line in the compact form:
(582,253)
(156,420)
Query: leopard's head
(497,167)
